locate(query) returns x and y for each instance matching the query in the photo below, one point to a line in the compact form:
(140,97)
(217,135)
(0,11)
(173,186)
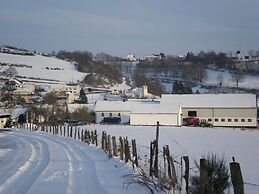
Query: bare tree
(237,77)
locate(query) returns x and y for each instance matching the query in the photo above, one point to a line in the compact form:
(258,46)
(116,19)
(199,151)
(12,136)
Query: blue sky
(119,27)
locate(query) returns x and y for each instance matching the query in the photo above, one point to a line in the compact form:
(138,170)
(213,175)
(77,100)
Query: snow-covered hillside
(34,162)
(38,66)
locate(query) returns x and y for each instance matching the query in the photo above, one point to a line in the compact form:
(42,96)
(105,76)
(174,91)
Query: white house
(149,114)
(229,110)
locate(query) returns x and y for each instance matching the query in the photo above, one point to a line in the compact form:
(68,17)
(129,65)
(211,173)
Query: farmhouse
(230,110)
(149,114)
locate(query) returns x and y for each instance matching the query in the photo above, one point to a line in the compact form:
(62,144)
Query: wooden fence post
(95,137)
(109,146)
(75,132)
(60,127)
(236,178)
(92,137)
(121,148)
(114,146)
(126,150)
(156,151)
(78,134)
(103,141)
(151,158)
(82,135)
(64,131)
(134,152)
(71,130)
(203,176)
(186,173)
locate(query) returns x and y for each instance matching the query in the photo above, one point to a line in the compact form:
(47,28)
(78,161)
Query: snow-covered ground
(195,142)
(249,80)
(34,162)
(41,67)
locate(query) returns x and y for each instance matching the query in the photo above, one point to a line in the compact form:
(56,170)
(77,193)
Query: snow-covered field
(35,162)
(249,80)
(41,67)
(195,142)
(38,163)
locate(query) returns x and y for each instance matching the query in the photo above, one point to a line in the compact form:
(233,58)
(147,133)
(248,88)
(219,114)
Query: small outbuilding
(113,112)
(149,114)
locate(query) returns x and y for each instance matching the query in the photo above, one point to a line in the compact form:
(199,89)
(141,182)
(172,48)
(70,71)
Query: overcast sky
(119,27)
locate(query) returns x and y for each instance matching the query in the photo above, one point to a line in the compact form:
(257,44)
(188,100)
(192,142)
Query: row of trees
(85,63)
(154,86)
(55,113)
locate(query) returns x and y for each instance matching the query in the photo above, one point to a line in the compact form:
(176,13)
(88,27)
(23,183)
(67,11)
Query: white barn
(230,110)
(149,114)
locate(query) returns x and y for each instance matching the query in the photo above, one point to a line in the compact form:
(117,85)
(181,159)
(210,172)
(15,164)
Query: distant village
(79,104)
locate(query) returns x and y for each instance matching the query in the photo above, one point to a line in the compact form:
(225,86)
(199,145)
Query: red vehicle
(191,121)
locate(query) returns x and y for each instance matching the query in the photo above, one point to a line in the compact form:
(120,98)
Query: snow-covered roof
(18,111)
(211,100)
(113,106)
(23,91)
(121,87)
(155,108)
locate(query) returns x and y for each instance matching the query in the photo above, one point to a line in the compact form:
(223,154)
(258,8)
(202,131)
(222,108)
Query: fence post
(121,148)
(151,157)
(71,130)
(75,132)
(236,178)
(186,173)
(82,134)
(156,151)
(114,146)
(203,176)
(109,146)
(134,152)
(78,134)
(127,150)
(95,137)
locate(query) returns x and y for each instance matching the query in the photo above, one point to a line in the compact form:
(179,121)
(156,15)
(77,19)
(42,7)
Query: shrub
(218,174)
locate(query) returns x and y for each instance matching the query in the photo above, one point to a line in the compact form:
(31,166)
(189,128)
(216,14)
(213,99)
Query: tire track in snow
(26,174)
(17,153)
(83,170)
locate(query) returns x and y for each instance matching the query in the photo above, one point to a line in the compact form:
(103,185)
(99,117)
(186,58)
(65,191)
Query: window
(209,120)
(243,120)
(216,120)
(110,114)
(102,114)
(229,120)
(119,114)
(222,120)
(249,120)
(236,120)
(192,113)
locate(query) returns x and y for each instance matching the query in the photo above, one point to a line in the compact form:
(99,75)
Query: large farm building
(224,110)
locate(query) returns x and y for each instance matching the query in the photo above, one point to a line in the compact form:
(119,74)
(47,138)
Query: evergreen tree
(83,96)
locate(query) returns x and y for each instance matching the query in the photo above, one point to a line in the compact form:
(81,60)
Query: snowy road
(34,162)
